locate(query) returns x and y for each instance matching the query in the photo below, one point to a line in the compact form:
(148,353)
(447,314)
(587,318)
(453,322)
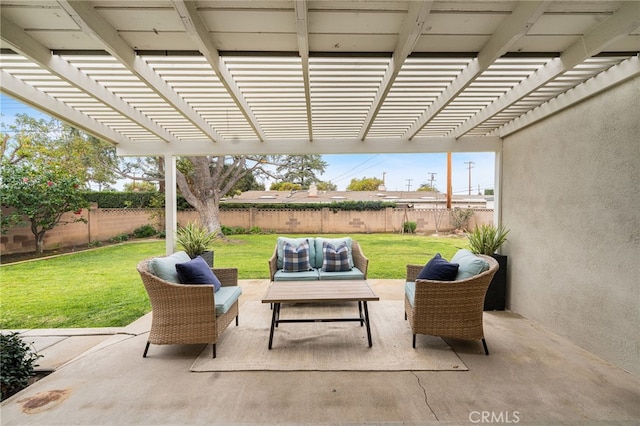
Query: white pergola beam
(24,44)
(324,146)
(91,23)
(511,30)
(601,82)
(199,33)
(411,30)
(302,33)
(623,22)
(29,95)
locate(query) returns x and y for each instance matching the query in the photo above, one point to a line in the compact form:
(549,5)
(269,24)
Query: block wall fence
(104,224)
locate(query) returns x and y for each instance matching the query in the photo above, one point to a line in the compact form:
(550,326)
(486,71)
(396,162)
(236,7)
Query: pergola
(551,87)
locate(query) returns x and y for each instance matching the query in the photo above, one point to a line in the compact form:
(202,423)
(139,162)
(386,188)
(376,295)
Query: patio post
(170,204)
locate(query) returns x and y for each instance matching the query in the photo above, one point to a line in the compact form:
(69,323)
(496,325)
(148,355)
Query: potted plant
(196,240)
(487,239)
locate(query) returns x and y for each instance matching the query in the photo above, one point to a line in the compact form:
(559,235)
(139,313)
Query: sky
(400,172)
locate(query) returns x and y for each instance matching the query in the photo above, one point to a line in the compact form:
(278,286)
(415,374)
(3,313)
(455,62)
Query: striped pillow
(296,259)
(335,259)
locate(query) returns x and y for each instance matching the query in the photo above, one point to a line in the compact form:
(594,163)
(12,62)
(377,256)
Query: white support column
(170,203)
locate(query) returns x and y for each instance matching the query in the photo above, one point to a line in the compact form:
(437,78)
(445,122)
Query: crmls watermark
(494,417)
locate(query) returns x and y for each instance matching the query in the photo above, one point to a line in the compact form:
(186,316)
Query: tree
(364,184)
(301,169)
(427,187)
(326,186)
(41,195)
(285,186)
(203,181)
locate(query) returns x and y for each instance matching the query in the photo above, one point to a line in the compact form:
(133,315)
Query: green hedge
(141,200)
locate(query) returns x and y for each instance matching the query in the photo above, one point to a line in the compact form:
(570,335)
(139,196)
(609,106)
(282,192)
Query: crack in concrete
(426,397)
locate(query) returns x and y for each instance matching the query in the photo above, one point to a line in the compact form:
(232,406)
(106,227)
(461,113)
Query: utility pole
(409,184)
(431,181)
(470,163)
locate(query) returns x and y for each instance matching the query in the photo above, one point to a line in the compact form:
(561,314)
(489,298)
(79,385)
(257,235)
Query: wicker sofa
(359,263)
(451,309)
(189,313)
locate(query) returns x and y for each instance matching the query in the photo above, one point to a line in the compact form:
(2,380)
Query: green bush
(255,230)
(120,238)
(144,231)
(18,361)
(409,227)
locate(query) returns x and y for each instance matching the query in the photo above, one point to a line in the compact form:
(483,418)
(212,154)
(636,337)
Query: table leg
(366,320)
(360,312)
(276,308)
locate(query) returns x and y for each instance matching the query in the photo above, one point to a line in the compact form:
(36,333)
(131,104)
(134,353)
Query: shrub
(144,231)
(255,230)
(18,361)
(460,217)
(120,238)
(409,227)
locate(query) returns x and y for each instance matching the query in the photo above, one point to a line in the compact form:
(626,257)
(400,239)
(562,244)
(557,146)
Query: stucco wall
(571,197)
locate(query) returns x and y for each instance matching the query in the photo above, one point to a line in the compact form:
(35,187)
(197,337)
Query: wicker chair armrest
(228,276)
(273,263)
(359,259)
(413,271)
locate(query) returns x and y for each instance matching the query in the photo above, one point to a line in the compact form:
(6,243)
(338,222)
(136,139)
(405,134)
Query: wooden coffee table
(319,292)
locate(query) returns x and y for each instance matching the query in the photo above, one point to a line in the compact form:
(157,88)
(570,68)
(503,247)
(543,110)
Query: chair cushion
(226,297)
(296,242)
(197,271)
(335,259)
(281,275)
(410,291)
(165,267)
(470,264)
(335,242)
(439,269)
(351,274)
(296,258)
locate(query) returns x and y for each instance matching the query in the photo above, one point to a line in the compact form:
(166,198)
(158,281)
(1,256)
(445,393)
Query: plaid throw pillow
(296,259)
(335,259)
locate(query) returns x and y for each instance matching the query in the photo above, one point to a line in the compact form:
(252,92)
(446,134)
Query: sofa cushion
(197,271)
(335,258)
(470,264)
(352,274)
(296,258)
(335,242)
(165,267)
(296,242)
(410,291)
(281,275)
(439,269)
(225,298)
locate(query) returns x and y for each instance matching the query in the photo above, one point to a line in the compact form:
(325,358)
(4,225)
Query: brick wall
(104,224)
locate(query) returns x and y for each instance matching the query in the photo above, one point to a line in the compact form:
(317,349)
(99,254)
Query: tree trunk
(210,216)
(39,242)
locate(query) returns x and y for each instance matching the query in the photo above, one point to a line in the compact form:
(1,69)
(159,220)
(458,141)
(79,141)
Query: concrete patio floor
(531,377)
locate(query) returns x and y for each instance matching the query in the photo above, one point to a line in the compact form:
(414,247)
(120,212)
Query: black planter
(208,257)
(496,293)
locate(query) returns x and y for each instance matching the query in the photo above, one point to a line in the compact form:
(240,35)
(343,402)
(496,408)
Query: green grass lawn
(101,287)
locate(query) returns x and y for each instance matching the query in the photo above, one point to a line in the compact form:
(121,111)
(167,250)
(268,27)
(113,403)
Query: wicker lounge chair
(186,314)
(449,308)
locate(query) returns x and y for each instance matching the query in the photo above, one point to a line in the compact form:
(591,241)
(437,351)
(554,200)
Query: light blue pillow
(470,264)
(295,242)
(165,267)
(334,242)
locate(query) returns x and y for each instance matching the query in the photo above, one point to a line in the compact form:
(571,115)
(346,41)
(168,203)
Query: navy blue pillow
(197,271)
(439,269)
